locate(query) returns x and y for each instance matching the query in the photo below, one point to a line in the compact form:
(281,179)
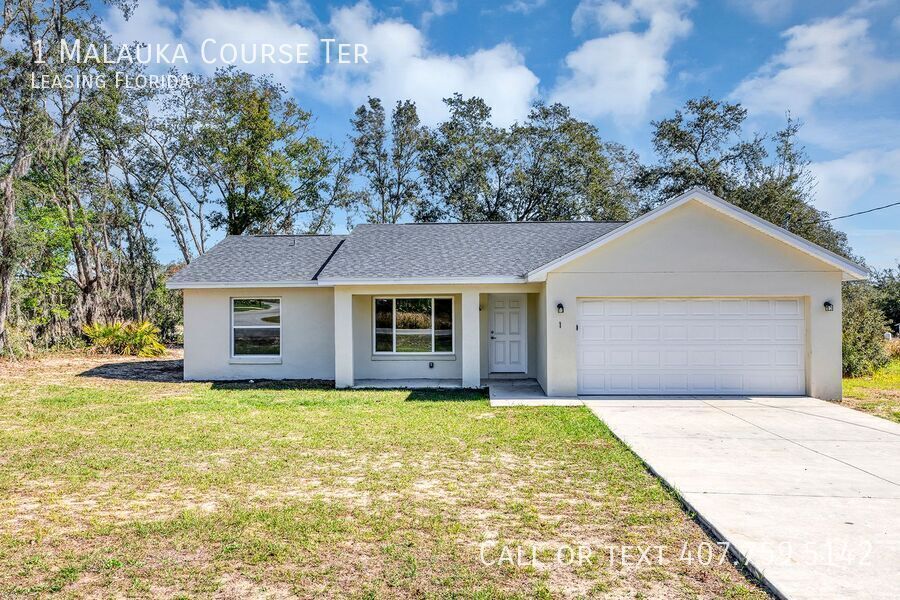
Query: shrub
(863,331)
(892,347)
(128,339)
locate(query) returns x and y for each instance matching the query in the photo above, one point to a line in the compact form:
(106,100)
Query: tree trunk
(7,247)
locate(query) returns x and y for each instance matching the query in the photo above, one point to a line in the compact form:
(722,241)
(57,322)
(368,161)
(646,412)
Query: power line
(862,212)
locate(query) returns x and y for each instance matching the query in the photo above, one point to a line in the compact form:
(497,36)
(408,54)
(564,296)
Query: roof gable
(849,269)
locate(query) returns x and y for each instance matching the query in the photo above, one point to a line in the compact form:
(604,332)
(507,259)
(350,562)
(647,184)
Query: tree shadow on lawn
(165,371)
(172,371)
(413,394)
(445,395)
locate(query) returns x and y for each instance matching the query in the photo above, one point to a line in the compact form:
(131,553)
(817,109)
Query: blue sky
(618,63)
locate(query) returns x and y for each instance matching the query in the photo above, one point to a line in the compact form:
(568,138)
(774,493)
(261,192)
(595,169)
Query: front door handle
(493,338)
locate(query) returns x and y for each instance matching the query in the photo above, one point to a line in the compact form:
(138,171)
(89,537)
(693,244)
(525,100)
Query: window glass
(256,327)
(255,341)
(384,325)
(413,324)
(443,325)
(255,313)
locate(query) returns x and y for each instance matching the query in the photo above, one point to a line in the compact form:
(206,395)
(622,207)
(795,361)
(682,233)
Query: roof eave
(422,280)
(192,285)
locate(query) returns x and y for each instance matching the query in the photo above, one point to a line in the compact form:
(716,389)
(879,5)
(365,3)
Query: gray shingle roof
(414,250)
(434,250)
(259,259)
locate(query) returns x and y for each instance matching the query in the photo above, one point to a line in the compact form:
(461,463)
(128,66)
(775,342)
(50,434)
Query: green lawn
(112,487)
(878,394)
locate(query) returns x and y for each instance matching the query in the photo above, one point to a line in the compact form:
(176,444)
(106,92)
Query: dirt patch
(59,367)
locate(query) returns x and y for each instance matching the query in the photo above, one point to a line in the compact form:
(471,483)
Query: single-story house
(695,297)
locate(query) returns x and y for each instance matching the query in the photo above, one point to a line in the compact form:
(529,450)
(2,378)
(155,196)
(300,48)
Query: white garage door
(691,346)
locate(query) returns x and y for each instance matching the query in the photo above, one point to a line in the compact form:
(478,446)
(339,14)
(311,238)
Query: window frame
(393,300)
(232,327)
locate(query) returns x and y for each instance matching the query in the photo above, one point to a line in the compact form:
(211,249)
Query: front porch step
(524,392)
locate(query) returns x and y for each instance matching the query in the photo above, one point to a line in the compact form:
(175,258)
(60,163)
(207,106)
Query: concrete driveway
(806,491)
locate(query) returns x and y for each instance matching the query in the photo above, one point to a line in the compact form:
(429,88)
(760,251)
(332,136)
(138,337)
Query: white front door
(508,334)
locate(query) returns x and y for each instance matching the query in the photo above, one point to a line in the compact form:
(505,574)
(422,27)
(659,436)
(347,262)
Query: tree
(703,145)
(550,167)
(253,150)
(863,328)
(887,283)
(152,144)
(388,160)
(466,165)
(565,172)
(36,121)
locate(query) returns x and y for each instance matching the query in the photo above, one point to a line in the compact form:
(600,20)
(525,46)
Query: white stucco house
(695,297)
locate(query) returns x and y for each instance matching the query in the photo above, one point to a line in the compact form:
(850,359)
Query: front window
(414,325)
(255,327)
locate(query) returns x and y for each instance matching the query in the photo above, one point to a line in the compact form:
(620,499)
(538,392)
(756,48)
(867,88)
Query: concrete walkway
(806,491)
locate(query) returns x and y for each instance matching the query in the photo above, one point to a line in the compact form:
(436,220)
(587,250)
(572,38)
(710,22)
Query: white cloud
(276,24)
(402,66)
(618,74)
(765,11)
(151,22)
(826,59)
(438,8)
(250,28)
(524,7)
(841,182)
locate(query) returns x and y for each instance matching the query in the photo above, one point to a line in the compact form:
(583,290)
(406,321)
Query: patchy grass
(117,486)
(878,394)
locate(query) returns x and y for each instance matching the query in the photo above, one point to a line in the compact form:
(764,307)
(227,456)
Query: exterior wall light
(560,308)
(829,307)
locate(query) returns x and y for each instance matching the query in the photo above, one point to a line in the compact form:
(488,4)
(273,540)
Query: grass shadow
(446,395)
(273,384)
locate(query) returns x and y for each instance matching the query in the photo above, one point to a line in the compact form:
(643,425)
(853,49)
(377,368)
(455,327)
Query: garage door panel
(649,308)
(592,381)
(787,308)
(647,333)
(787,332)
(646,384)
(647,358)
(674,308)
(702,307)
(674,333)
(675,358)
(696,346)
(592,358)
(618,308)
(593,332)
(620,333)
(620,358)
(759,332)
(620,383)
(702,383)
(698,332)
(673,383)
(786,358)
(732,308)
(591,309)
